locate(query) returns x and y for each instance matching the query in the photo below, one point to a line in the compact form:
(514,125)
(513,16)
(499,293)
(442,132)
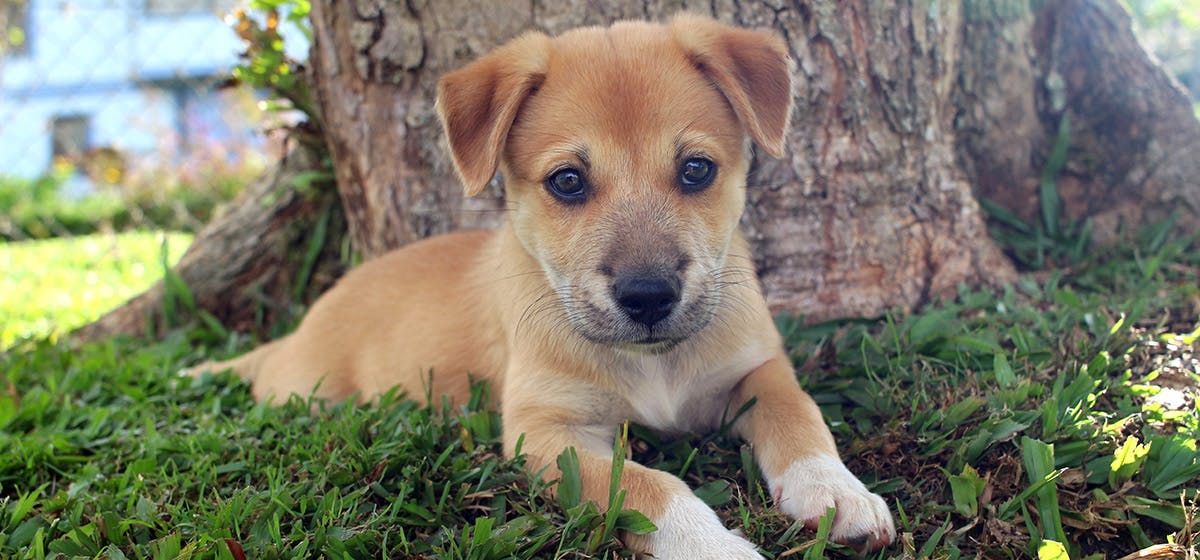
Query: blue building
(125,76)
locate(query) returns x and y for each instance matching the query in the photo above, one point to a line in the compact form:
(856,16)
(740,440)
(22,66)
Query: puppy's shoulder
(450,248)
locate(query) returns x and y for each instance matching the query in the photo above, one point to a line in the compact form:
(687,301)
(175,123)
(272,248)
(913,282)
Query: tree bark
(869,211)
(1134,135)
(1132,132)
(375,66)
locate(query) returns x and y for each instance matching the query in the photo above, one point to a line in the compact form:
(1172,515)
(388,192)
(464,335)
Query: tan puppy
(620,287)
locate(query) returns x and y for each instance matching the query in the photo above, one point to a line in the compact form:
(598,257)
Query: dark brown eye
(567,185)
(697,173)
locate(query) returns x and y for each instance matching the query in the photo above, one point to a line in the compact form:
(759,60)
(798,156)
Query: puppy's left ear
(749,67)
(477,104)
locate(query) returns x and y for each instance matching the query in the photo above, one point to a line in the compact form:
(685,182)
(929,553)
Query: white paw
(812,484)
(690,530)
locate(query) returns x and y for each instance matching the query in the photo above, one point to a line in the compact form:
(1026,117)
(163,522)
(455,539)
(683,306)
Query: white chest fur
(680,392)
(655,398)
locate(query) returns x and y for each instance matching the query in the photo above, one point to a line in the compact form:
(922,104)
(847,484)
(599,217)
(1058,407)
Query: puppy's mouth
(608,324)
(612,328)
(652,345)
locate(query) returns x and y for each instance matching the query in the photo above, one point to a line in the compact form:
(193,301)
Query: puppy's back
(402,319)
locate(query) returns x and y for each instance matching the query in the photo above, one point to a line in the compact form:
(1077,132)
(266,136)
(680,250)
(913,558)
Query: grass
(52,286)
(1057,417)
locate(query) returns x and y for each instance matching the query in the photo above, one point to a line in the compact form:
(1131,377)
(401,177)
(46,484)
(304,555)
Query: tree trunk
(905,112)
(1131,131)
(1134,135)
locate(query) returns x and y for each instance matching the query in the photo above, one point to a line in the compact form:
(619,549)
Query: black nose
(646,299)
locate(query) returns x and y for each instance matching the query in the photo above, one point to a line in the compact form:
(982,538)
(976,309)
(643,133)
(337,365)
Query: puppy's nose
(646,299)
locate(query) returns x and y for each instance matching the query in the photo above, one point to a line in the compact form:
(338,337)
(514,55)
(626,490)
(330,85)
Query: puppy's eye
(567,185)
(697,173)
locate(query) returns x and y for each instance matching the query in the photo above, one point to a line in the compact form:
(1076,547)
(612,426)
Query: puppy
(619,288)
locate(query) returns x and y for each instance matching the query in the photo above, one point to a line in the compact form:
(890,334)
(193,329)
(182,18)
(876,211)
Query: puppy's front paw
(690,530)
(812,484)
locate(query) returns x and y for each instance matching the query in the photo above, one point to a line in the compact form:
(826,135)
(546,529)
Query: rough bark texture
(869,210)
(1133,135)
(376,65)
(245,266)
(1001,138)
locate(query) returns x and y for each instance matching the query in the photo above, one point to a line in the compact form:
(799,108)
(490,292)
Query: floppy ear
(478,103)
(749,67)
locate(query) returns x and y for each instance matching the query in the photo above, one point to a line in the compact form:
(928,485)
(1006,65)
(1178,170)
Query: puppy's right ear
(750,68)
(477,104)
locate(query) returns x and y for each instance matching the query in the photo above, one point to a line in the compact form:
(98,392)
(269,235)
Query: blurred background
(125,124)
(127,106)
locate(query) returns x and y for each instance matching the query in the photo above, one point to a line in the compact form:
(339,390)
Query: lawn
(52,286)
(1054,419)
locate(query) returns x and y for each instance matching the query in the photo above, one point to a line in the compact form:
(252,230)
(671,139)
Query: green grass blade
(570,484)
(1057,161)
(824,527)
(618,463)
(1038,458)
(312,251)
(934,540)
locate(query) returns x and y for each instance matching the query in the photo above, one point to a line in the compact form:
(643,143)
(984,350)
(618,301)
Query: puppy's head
(624,152)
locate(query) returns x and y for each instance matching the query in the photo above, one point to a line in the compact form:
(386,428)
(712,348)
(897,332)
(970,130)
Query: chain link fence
(120,114)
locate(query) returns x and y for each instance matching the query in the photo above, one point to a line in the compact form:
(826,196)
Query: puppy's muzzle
(646,298)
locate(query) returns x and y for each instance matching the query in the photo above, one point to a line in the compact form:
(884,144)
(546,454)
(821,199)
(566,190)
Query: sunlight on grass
(50,287)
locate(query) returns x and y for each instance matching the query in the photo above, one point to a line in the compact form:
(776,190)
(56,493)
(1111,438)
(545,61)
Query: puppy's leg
(687,528)
(245,366)
(797,455)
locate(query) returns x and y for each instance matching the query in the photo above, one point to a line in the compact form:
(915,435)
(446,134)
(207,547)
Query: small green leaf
(1117,326)
(1127,459)
(1003,371)
(570,485)
(634,522)
(715,493)
(1067,297)
(1099,364)
(824,526)
(1170,514)
(929,327)
(1172,461)
(483,531)
(618,463)
(1054,166)
(962,410)
(8,410)
(1052,550)
(966,489)
(934,540)
(1038,457)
